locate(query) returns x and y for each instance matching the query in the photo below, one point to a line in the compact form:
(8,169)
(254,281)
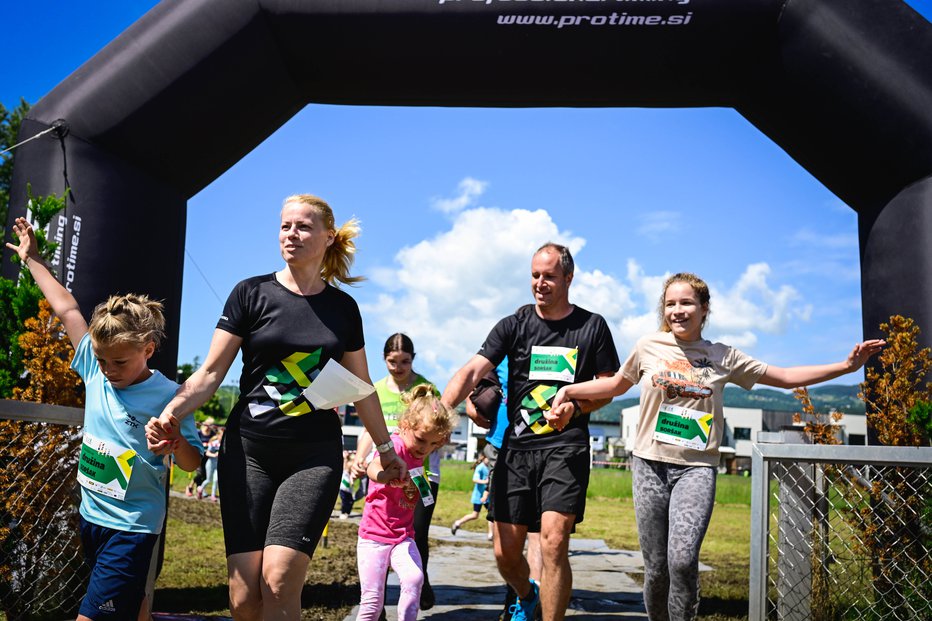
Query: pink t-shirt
(388,516)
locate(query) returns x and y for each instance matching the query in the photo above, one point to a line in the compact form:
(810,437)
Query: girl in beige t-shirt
(682,378)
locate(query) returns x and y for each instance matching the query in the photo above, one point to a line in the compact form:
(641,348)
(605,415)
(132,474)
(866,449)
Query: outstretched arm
(60,299)
(585,397)
(794,377)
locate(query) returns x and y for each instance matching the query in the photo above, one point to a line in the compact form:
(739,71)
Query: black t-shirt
(543,356)
(287,340)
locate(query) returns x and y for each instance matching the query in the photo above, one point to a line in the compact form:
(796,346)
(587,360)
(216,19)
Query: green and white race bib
(422,484)
(683,427)
(553,363)
(105,467)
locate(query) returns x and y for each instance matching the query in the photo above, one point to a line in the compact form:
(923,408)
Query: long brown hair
(699,286)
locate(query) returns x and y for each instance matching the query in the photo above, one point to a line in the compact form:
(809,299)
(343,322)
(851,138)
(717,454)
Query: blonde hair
(133,319)
(340,254)
(700,288)
(426,412)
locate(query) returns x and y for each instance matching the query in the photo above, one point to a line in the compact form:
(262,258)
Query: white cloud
(751,305)
(469,190)
(658,224)
(448,291)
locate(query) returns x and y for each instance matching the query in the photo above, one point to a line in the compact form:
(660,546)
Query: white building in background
(610,440)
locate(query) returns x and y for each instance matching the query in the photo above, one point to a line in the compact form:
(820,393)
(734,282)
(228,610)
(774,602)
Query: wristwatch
(385,447)
(576,407)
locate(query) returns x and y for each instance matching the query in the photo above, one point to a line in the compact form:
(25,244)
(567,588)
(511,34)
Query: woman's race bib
(105,467)
(683,427)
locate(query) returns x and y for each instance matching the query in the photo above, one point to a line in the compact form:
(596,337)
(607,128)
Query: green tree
(19,300)
(9,128)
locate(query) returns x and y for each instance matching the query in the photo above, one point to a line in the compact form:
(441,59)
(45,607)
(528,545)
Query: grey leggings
(672,505)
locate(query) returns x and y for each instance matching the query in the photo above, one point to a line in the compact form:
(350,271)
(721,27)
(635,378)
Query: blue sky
(454,201)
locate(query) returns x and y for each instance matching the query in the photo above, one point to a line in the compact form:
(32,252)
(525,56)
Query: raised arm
(462,383)
(60,299)
(795,377)
(369,411)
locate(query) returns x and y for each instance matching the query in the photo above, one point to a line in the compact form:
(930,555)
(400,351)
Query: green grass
(194,575)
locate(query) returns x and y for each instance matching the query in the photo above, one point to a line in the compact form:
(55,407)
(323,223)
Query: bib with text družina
(683,427)
(553,363)
(105,467)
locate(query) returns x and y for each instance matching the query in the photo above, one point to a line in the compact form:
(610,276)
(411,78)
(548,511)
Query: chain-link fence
(841,532)
(42,575)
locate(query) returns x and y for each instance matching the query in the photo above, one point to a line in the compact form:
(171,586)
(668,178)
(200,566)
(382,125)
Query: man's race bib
(683,427)
(553,364)
(105,467)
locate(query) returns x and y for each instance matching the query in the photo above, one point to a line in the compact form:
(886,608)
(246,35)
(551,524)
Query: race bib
(553,364)
(683,427)
(423,486)
(105,467)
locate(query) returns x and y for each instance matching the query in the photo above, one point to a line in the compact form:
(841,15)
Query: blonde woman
(281,460)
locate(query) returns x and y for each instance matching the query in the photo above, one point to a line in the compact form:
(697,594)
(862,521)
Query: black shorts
(525,484)
(277,493)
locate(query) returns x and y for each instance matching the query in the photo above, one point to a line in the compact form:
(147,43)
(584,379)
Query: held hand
(27,246)
(358,469)
(559,399)
(393,467)
(862,352)
(559,417)
(162,433)
(475,416)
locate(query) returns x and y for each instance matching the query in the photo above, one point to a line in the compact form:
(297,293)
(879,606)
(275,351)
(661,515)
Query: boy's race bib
(105,467)
(683,427)
(553,363)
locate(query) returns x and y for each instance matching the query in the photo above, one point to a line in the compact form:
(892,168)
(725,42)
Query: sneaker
(188,492)
(524,609)
(344,516)
(200,493)
(455,527)
(427,596)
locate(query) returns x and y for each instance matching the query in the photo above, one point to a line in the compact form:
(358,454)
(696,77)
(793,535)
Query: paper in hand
(335,386)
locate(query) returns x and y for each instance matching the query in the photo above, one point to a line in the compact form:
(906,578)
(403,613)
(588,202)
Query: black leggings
(422,517)
(277,493)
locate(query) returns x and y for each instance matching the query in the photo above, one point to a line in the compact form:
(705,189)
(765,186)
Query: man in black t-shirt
(542,475)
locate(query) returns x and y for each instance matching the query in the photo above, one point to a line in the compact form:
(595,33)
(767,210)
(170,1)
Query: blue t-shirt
(496,432)
(481,473)
(117,417)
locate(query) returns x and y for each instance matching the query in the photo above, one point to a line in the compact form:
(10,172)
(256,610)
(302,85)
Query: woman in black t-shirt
(281,459)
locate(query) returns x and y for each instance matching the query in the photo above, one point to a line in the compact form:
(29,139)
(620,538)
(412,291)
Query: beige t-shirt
(688,374)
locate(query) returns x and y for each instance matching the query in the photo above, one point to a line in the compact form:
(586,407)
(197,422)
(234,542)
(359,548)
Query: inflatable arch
(844,86)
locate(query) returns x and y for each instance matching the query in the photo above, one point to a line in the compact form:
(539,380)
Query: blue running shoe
(524,609)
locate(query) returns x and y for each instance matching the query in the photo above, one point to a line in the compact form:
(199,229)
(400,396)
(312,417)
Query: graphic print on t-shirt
(680,379)
(532,409)
(285,382)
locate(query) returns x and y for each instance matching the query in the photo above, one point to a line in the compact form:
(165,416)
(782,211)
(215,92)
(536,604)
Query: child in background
(122,482)
(346,485)
(210,467)
(386,531)
(480,495)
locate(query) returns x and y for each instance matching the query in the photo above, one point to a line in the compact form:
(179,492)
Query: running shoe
(524,609)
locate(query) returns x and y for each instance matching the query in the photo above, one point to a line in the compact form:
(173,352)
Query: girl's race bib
(105,467)
(683,427)
(423,486)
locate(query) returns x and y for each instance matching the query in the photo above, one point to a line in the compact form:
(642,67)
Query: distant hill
(841,398)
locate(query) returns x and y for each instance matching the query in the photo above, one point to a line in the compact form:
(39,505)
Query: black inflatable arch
(844,86)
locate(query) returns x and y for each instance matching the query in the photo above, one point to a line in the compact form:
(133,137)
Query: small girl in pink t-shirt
(386,532)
